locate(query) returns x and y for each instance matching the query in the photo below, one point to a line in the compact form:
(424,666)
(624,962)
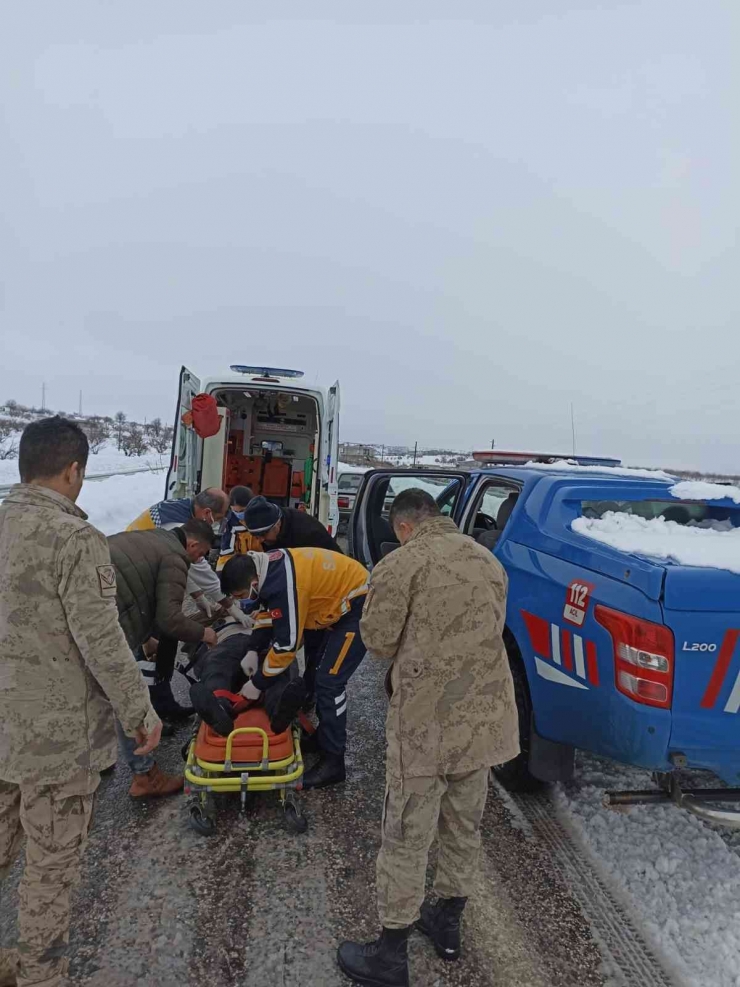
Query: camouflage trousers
(55,820)
(449,807)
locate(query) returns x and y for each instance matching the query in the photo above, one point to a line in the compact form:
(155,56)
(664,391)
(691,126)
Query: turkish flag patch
(276,614)
(274,556)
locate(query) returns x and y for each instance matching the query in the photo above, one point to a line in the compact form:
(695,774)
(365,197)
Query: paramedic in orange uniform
(306,589)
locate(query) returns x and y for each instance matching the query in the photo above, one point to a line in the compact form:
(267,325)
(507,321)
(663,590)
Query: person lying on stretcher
(299,589)
(224,672)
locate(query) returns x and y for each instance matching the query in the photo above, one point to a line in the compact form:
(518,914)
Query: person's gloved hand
(250,691)
(204,605)
(238,614)
(250,663)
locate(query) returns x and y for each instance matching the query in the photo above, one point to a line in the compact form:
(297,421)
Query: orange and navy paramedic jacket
(304,589)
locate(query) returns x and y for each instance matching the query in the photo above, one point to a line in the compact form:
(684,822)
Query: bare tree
(120,420)
(15,410)
(133,443)
(97,432)
(155,427)
(8,445)
(163,442)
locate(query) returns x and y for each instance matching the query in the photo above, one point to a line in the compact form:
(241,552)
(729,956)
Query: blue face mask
(239,514)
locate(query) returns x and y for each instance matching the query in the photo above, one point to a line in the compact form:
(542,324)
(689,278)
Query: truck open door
(187,447)
(370,534)
(330,458)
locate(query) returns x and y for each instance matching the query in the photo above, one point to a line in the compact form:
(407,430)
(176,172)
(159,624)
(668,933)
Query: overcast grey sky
(472,214)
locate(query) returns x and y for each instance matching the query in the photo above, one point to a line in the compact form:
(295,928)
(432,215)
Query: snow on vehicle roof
(710,545)
(568,466)
(703,490)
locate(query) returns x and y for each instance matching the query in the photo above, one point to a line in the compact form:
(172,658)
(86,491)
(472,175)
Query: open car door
(182,478)
(330,458)
(371,537)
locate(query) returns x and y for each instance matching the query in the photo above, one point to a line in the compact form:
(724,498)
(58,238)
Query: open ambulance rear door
(182,478)
(330,457)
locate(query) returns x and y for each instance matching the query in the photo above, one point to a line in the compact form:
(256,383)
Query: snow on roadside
(679,874)
(702,490)
(567,465)
(715,547)
(113,504)
(107,460)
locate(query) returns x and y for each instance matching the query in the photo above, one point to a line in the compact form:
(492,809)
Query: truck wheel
(515,775)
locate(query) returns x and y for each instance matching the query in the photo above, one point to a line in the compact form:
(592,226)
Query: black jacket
(152,573)
(301,530)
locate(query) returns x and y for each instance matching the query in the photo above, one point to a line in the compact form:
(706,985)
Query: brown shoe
(154,783)
(8,967)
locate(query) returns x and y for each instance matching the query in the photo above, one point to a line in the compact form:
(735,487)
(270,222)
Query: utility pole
(573,427)
(493,443)
(416,446)
(80,404)
(43,397)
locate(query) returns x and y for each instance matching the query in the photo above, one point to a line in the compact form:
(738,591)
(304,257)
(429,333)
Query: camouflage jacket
(436,607)
(64,662)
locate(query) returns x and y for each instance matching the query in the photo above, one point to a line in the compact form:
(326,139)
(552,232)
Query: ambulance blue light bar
(502,458)
(266,372)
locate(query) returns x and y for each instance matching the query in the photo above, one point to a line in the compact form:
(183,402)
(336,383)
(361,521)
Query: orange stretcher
(251,759)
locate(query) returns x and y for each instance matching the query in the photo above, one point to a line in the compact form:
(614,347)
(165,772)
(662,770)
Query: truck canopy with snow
(623,614)
(275,435)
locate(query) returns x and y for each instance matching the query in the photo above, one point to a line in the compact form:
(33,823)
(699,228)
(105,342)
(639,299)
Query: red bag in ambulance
(206,419)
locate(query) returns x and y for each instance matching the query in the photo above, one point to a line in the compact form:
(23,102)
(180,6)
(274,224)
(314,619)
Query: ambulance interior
(268,441)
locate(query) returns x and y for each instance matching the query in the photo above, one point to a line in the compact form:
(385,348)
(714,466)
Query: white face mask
(254,592)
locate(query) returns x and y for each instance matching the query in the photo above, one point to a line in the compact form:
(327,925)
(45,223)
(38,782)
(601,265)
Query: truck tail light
(643,657)
(343,503)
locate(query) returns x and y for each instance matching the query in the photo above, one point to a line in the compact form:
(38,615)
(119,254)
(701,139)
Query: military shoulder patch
(107,580)
(368,598)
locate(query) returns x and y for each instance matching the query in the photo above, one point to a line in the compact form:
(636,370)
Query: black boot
(217,713)
(287,706)
(441,923)
(309,743)
(166,706)
(383,963)
(328,770)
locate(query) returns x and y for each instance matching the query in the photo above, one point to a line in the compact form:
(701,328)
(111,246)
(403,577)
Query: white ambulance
(277,436)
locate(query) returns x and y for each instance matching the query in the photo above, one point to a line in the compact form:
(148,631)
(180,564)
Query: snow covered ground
(107,460)
(680,875)
(714,545)
(113,504)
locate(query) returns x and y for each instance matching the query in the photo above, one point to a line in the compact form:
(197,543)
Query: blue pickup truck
(629,657)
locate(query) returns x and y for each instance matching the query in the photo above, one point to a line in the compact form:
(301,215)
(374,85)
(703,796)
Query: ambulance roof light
(265,373)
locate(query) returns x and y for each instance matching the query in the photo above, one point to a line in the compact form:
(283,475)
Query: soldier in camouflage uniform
(436,607)
(65,668)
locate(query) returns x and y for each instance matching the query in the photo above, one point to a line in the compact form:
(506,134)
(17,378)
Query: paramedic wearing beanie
(285,527)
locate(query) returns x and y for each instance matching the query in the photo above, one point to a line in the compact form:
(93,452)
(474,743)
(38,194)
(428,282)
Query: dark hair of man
(240,496)
(237,574)
(199,531)
(49,446)
(212,499)
(413,506)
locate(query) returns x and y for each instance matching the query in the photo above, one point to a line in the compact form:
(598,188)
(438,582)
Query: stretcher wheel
(201,822)
(295,821)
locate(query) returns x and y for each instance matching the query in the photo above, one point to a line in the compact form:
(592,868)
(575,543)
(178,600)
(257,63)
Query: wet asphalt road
(257,906)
